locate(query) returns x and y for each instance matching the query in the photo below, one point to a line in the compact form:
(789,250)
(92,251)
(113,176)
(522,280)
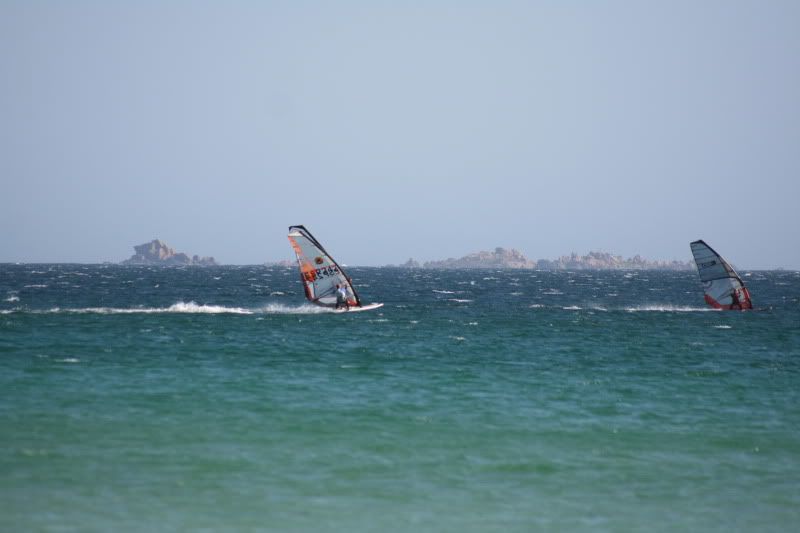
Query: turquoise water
(188,399)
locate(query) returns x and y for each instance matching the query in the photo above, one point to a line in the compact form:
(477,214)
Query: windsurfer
(736,305)
(341,297)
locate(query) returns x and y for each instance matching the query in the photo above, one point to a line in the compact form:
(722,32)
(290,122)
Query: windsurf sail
(319,272)
(724,289)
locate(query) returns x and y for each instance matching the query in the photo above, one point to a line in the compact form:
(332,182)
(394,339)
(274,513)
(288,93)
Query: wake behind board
(368,307)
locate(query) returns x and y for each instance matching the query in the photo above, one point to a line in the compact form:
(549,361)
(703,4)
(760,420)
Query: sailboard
(724,289)
(321,274)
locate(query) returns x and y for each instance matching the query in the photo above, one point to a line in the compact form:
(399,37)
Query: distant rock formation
(607,261)
(411,263)
(157,252)
(502,258)
(281,263)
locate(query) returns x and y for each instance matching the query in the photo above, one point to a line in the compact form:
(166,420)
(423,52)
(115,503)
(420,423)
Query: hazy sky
(400,129)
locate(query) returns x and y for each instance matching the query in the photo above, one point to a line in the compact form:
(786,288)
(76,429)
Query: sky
(400,129)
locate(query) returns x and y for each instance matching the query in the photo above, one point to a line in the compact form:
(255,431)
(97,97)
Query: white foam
(179,307)
(192,307)
(35,286)
(305,309)
(458,300)
(12,298)
(571,308)
(722,327)
(443,292)
(67,360)
(668,309)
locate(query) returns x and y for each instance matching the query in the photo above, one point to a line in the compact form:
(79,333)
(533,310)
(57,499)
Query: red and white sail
(318,270)
(724,289)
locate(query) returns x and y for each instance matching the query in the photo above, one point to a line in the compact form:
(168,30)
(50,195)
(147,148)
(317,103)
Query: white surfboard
(368,307)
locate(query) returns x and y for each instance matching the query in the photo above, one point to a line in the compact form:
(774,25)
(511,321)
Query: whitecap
(305,309)
(722,326)
(668,309)
(179,307)
(458,300)
(191,307)
(443,292)
(571,308)
(12,298)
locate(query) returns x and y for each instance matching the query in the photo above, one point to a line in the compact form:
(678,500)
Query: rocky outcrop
(502,258)
(499,258)
(285,263)
(607,261)
(157,252)
(411,263)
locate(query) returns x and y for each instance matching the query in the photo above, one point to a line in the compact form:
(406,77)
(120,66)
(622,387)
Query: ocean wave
(668,309)
(443,292)
(12,298)
(179,307)
(554,292)
(304,309)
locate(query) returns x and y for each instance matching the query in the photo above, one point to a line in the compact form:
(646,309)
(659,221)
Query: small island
(157,252)
(513,259)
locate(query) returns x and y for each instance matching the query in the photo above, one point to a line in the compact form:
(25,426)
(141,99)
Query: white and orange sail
(724,289)
(319,271)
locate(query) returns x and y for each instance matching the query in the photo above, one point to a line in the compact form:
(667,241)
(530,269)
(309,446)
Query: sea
(144,398)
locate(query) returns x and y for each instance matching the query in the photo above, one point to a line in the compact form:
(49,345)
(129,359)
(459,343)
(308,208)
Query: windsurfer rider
(341,297)
(736,305)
